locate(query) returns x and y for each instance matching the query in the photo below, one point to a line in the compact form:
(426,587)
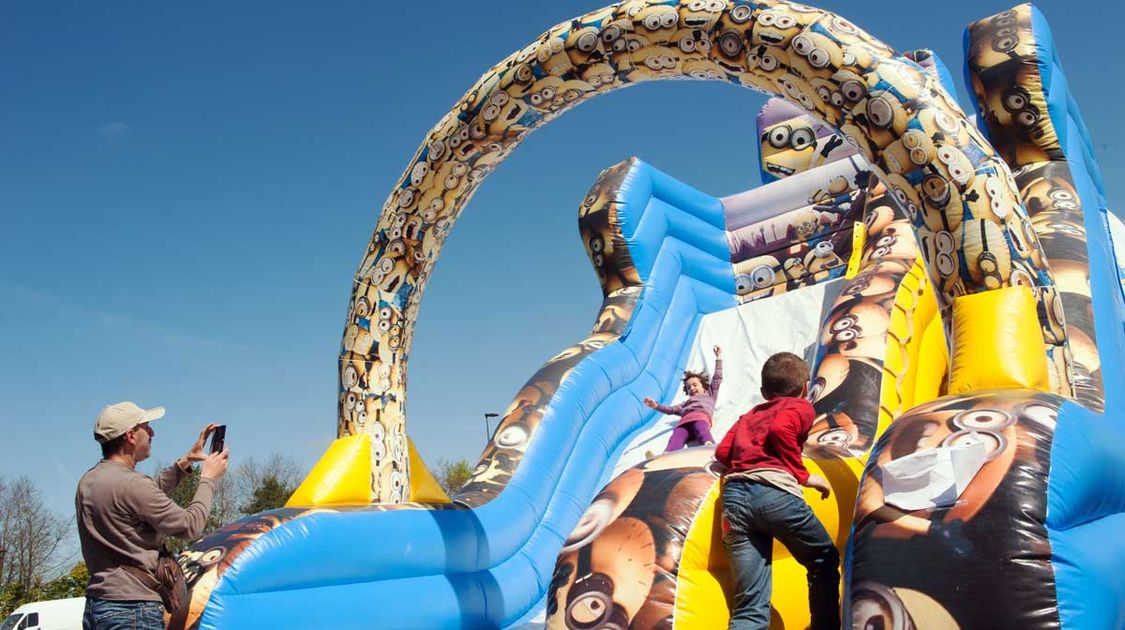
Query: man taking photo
(123,516)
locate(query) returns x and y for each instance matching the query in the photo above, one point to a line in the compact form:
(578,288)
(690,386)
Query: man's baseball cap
(116,420)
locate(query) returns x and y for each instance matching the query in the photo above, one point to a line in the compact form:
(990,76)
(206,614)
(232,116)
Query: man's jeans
(103,614)
(758,513)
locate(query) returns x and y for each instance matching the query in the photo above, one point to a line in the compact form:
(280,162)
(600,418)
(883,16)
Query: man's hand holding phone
(215,463)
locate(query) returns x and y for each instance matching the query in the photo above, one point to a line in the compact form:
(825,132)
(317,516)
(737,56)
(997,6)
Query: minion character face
(701,14)
(658,61)
(954,165)
(877,606)
(941,204)
(883,115)
(770,62)
(658,20)
(583,46)
(995,40)
(704,70)
(816,55)
(788,147)
(795,269)
(776,27)
(910,153)
(797,91)
(822,257)
(545,95)
(857,330)
(599,75)
(551,56)
(757,274)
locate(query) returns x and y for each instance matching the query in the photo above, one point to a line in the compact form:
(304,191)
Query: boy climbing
(762,500)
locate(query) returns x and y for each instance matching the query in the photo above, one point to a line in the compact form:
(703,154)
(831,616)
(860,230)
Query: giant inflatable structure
(950,280)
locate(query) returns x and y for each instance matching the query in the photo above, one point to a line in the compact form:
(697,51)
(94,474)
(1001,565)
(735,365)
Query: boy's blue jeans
(758,513)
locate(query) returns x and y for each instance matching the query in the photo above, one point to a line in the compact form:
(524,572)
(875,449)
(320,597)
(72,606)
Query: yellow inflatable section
(703,581)
(343,477)
(995,342)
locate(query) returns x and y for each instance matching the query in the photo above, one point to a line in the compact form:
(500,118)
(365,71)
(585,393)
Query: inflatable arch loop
(973,231)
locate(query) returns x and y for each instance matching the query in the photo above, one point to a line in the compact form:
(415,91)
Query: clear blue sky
(185,192)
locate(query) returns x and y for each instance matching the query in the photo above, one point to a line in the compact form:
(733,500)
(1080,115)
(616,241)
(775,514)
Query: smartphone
(218,437)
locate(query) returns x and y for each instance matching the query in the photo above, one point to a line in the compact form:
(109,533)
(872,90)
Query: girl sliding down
(694,427)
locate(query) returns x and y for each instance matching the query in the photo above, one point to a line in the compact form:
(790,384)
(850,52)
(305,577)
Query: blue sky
(185,192)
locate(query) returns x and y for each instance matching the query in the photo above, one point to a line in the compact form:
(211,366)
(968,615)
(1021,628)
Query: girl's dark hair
(784,374)
(702,376)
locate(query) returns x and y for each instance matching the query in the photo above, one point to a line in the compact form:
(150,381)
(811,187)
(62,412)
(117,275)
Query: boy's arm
(717,377)
(722,451)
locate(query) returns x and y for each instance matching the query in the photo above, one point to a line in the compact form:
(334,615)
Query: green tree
(268,493)
(452,475)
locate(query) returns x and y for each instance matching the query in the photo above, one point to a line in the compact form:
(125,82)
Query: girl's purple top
(700,403)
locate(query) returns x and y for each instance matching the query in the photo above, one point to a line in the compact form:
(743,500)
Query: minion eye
(817,388)
(843,25)
(801,138)
(743,283)
(779,137)
(769,62)
(669,20)
(1015,101)
(944,241)
(853,90)
(785,21)
(762,276)
(880,111)
(610,34)
(740,13)
(844,323)
(802,45)
(651,22)
(945,265)
(512,437)
(587,42)
(819,58)
(1004,44)
(731,45)
(1028,117)
(766,19)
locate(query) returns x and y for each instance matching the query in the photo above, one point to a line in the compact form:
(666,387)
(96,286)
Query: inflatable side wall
(1034,542)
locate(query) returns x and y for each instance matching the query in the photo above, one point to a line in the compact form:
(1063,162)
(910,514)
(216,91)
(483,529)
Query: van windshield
(11,621)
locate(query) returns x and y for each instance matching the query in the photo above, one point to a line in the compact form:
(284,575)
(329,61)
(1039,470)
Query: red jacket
(770,435)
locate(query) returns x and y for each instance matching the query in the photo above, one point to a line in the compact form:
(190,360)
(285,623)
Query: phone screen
(218,437)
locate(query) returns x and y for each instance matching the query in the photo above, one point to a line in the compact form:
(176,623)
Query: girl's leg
(678,439)
(699,433)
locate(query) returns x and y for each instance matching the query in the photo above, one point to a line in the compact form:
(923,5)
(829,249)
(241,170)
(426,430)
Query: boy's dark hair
(113,446)
(702,376)
(784,374)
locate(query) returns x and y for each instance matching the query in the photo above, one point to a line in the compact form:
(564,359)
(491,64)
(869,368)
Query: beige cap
(116,420)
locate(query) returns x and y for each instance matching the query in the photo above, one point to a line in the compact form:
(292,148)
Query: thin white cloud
(112,129)
(37,297)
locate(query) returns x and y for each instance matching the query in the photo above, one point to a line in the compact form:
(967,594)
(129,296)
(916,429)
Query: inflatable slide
(951,279)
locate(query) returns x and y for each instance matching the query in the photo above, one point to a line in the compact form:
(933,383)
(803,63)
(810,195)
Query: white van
(57,614)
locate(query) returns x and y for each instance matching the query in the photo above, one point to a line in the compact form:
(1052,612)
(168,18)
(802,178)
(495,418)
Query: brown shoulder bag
(168,581)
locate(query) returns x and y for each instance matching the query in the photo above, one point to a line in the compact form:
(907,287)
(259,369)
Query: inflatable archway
(963,204)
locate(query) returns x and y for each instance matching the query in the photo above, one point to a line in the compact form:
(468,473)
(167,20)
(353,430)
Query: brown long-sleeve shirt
(122,518)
